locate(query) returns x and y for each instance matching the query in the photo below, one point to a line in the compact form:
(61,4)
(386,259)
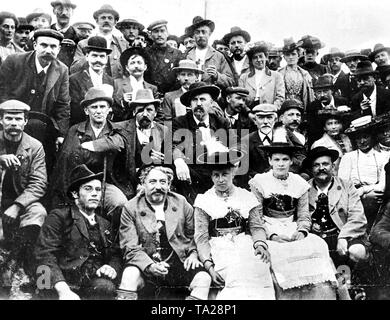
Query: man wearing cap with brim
(130,29)
(77,244)
(311,45)
(371,99)
(39,19)
(40,80)
(173,41)
(83,29)
(96,54)
(22,34)
(190,134)
(365,165)
(163,58)
(106,18)
(24,183)
(336,210)
(212,62)
(264,85)
(297,81)
(274,58)
(237,40)
(187,73)
(90,143)
(135,62)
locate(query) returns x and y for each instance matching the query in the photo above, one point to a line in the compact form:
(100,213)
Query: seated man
(336,210)
(23,185)
(75,244)
(157,238)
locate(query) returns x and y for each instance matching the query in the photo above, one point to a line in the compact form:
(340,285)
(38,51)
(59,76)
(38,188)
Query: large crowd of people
(138,164)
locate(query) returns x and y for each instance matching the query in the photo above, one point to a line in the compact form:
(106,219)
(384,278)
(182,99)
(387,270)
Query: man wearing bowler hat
(162,58)
(40,80)
(96,54)
(130,29)
(212,62)
(77,245)
(63,10)
(371,99)
(23,185)
(106,18)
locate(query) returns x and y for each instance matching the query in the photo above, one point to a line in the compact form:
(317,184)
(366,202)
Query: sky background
(346,24)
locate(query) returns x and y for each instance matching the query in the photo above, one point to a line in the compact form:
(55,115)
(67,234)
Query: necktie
(202,124)
(41,77)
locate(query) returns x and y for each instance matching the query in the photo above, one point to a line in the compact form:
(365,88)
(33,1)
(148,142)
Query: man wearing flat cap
(371,99)
(40,80)
(274,58)
(23,185)
(162,58)
(96,54)
(22,34)
(237,40)
(83,29)
(212,62)
(191,133)
(106,18)
(311,45)
(77,245)
(130,29)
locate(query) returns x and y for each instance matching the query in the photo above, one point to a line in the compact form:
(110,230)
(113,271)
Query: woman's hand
(216,277)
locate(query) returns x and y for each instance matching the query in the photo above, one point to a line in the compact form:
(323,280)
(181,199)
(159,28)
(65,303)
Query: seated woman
(223,246)
(299,259)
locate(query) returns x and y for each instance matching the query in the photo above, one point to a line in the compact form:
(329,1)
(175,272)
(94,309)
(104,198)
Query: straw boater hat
(236,31)
(379,47)
(353,54)
(199,88)
(363,124)
(187,65)
(334,52)
(199,22)
(80,175)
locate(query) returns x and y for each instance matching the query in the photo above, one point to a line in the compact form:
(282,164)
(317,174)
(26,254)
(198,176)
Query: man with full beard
(237,39)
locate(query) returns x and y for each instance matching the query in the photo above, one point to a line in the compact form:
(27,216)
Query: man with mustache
(96,54)
(212,62)
(106,18)
(83,29)
(371,99)
(157,239)
(23,185)
(162,58)
(336,210)
(77,247)
(130,29)
(237,40)
(63,10)
(40,80)
(22,34)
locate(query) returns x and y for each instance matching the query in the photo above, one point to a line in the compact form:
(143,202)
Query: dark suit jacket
(258,158)
(168,104)
(64,240)
(16,74)
(137,229)
(342,86)
(67,52)
(79,84)
(382,102)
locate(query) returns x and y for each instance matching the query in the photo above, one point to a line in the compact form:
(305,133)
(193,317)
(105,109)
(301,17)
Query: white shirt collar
(205,121)
(331,103)
(263,135)
(62,30)
(39,67)
(235,117)
(159,211)
(372,100)
(336,76)
(326,190)
(91,218)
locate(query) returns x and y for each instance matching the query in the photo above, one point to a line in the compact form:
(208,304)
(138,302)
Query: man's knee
(100,288)
(114,199)
(358,252)
(201,280)
(34,214)
(132,279)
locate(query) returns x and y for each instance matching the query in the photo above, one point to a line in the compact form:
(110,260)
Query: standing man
(83,29)
(130,29)
(212,62)
(162,58)
(106,18)
(237,40)
(78,245)
(23,185)
(22,34)
(96,54)
(40,80)
(274,58)
(311,45)
(63,10)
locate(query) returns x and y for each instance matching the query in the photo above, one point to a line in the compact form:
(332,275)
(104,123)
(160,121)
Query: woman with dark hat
(223,246)
(297,81)
(264,85)
(283,223)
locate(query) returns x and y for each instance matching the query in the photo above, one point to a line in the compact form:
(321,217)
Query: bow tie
(202,124)
(267,138)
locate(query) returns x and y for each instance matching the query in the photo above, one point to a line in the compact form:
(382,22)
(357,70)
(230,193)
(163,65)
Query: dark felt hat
(79,175)
(324,82)
(197,22)
(291,104)
(319,152)
(93,95)
(106,8)
(97,43)
(364,68)
(144,97)
(236,31)
(199,88)
(23,25)
(48,33)
(310,42)
(281,147)
(238,90)
(379,47)
(125,56)
(125,23)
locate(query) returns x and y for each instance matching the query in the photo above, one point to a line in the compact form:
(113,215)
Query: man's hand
(192,261)
(158,269)
(107,271)
(59,142)
(365,104)
(157,156)
(88,146)
(343,109)
(212,72)
(342,247)
(64,292)
(11,214)
(9,161)
(182,170)
(263,253)
(297,235)
(280,238)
